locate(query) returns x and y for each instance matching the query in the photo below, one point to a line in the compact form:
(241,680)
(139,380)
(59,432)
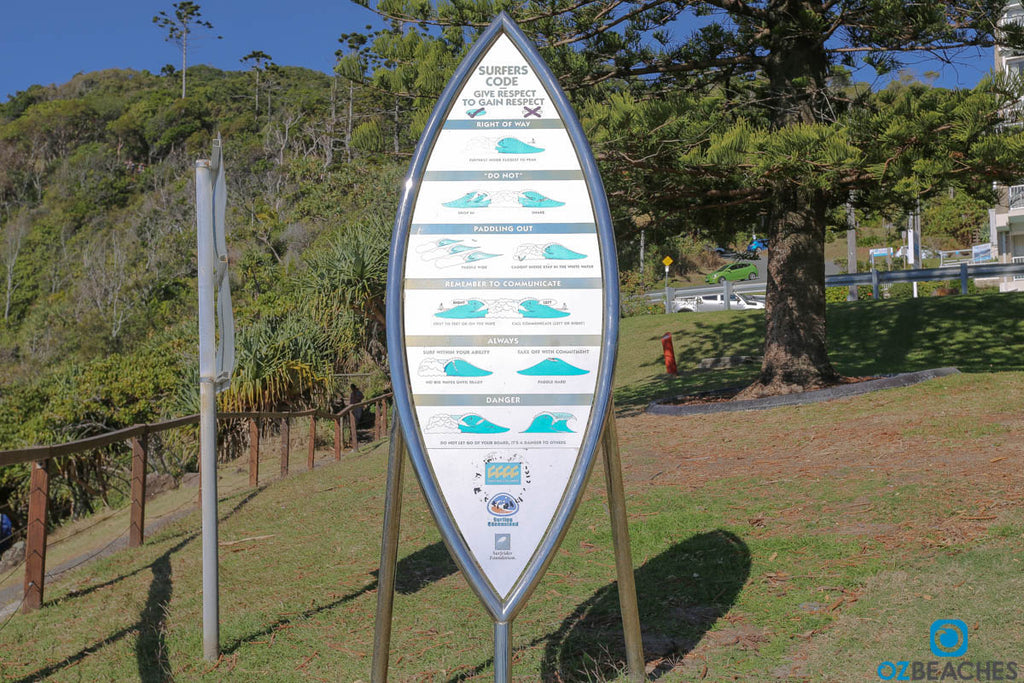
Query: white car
(714,302)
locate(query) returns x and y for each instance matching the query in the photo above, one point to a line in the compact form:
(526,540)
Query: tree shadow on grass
(681,594)
(976,333)
(415,572)
(150,648)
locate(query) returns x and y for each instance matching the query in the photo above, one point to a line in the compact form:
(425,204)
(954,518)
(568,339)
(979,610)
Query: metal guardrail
(927,274)
(963,272)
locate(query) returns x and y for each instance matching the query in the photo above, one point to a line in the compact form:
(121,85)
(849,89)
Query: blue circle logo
(948,638)
(502,505)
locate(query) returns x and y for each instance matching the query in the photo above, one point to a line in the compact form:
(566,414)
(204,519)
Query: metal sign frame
(408,436)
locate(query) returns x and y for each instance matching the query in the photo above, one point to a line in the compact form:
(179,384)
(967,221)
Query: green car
(733,271)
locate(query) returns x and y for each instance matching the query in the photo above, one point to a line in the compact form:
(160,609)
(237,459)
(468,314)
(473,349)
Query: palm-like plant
(280,363)
(350,274)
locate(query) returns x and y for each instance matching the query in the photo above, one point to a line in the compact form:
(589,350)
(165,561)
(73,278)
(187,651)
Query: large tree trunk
(795,355)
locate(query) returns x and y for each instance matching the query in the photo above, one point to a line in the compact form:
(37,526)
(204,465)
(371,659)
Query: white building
(1006,219)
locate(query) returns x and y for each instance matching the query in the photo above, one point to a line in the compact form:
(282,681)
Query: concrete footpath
(665,407)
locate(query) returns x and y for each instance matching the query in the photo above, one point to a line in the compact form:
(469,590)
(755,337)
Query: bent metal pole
(207,407)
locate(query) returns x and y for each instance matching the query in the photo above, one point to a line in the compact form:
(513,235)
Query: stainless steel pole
(668,297)
(621,546)
(208,408)
(502,651)
(388,556)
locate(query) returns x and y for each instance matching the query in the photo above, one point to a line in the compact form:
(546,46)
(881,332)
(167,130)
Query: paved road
(742,287)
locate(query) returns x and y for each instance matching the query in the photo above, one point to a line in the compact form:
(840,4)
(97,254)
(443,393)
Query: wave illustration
(551,423)
(553,367)
(474,308)
(470,423)
(532,308)
(458,367)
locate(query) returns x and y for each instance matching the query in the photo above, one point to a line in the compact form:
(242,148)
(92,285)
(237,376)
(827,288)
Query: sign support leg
(502,651)
(388,556)
(208,408)
(620,543)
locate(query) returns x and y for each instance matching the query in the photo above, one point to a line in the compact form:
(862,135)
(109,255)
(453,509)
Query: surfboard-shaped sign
(502,315)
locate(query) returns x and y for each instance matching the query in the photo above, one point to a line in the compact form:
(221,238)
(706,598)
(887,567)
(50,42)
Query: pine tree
(180,25)
(751,117)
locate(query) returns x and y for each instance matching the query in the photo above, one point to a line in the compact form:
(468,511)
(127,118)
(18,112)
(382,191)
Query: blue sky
(51,42)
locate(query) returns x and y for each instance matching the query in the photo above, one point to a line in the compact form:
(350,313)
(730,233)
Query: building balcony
(1016,198)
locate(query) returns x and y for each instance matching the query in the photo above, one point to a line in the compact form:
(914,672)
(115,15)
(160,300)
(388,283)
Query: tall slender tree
(749,116)
(258,60)
(185,18)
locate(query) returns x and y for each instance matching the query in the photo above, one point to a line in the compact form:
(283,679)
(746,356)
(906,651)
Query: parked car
(733,271)
(903,252)
(714,302)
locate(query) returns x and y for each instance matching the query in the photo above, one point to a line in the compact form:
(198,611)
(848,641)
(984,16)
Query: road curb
(662,407)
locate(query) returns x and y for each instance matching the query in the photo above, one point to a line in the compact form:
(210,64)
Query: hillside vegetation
(98,290)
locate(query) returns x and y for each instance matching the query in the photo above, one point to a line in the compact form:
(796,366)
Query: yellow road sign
(667,261)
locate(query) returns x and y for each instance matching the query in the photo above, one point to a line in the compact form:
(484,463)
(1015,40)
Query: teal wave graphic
(553,367)
(474,424)
(551,423)
(516,146)
(556,252)
(531,308)
(474,308)
(461,368)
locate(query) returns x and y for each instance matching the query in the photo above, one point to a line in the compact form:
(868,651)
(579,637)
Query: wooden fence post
(254,453)
(35,546)
(337,438)
(284,447)
(137,524)
(352,430)
(312,441)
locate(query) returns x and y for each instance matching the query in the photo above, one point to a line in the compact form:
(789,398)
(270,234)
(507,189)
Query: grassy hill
(810,542)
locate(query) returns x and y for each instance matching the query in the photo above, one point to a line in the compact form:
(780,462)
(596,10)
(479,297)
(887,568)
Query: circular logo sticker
(502,505)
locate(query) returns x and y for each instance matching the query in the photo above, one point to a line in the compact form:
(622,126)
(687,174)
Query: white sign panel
(502,315)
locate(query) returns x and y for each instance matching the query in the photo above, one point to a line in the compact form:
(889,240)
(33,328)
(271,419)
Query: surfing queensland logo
(497,473)
(502,505)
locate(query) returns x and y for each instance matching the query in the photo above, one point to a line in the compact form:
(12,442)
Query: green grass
(972,333)
(812,545)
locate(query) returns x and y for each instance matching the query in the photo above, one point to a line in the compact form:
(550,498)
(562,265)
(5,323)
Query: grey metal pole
(502,651)
(388,555)
(727,294)
(642,255)
(620,544)
(874,283)
(963,278)
(208,408)
(668,297)
(851,261)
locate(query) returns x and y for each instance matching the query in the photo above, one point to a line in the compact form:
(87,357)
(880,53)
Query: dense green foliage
(98,280)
